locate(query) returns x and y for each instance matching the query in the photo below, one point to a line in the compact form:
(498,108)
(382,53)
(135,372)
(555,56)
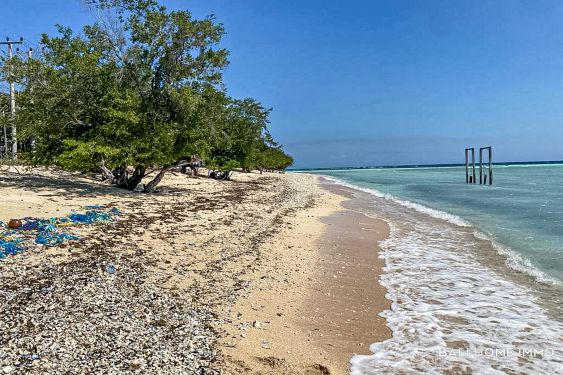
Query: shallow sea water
(465,299)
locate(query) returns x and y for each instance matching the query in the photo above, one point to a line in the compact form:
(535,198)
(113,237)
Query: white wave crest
(453,219)
(448,310)
(513,260)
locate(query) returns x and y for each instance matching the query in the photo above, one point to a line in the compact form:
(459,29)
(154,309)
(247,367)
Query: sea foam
(450,312)
(453,219)
(513,259)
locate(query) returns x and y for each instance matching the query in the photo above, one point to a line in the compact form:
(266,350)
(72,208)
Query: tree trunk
(122,179)
(106,173)
(149,188)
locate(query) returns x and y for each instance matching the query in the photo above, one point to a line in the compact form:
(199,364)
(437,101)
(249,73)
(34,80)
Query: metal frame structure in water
(470,179)
(470,174)
(489,168)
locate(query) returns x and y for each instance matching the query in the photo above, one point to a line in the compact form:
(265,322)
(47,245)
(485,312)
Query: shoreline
(452,289)
(517,263)
(264,274)
(317,303)
(503,260)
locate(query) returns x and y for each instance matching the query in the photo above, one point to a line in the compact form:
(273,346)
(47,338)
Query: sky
(367,82)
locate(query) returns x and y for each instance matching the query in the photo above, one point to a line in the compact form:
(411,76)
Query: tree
(118,96)
(137,93)
(274,159)
(241,127)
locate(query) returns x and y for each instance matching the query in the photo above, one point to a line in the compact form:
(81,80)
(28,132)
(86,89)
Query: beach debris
(79,319)
(9,247)
(99,326)
(110,269)
(94,215)
(135,364)
(265,344)
(17,234)
(14,223)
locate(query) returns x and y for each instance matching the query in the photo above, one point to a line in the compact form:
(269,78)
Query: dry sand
(288,277)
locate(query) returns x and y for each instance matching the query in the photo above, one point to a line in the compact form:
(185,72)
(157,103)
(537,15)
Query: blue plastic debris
(95,207)
(110,269)
(89,217)
(9,248)
(30,224)
(46,232)
(53,238)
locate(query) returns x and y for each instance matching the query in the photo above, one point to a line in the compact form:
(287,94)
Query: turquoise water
(448,285)
(523,210)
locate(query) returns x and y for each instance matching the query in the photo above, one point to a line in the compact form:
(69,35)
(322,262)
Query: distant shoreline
(407,166)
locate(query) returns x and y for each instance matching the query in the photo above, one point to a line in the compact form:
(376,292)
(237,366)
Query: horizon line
(535,162)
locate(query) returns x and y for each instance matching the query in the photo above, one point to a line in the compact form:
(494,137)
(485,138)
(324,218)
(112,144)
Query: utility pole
(5,134)
(33,143)
(10,44)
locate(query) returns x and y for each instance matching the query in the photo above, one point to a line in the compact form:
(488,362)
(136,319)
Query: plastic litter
(95,207)
(30,224)
(47,232)
(53,238)
(9,248)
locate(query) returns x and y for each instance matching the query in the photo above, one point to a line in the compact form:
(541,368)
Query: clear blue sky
(381,82)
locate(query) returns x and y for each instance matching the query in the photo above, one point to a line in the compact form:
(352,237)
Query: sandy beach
(281,188)
(264,274)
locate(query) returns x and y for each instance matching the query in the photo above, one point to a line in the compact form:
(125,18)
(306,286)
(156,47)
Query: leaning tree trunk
(149,188)
(120,176)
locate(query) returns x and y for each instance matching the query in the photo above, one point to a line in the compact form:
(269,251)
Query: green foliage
(239,130)
(140,87)
(275,159)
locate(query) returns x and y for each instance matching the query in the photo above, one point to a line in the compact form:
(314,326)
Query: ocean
(474,272)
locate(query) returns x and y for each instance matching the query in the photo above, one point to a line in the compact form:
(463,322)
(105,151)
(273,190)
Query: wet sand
(317,301)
